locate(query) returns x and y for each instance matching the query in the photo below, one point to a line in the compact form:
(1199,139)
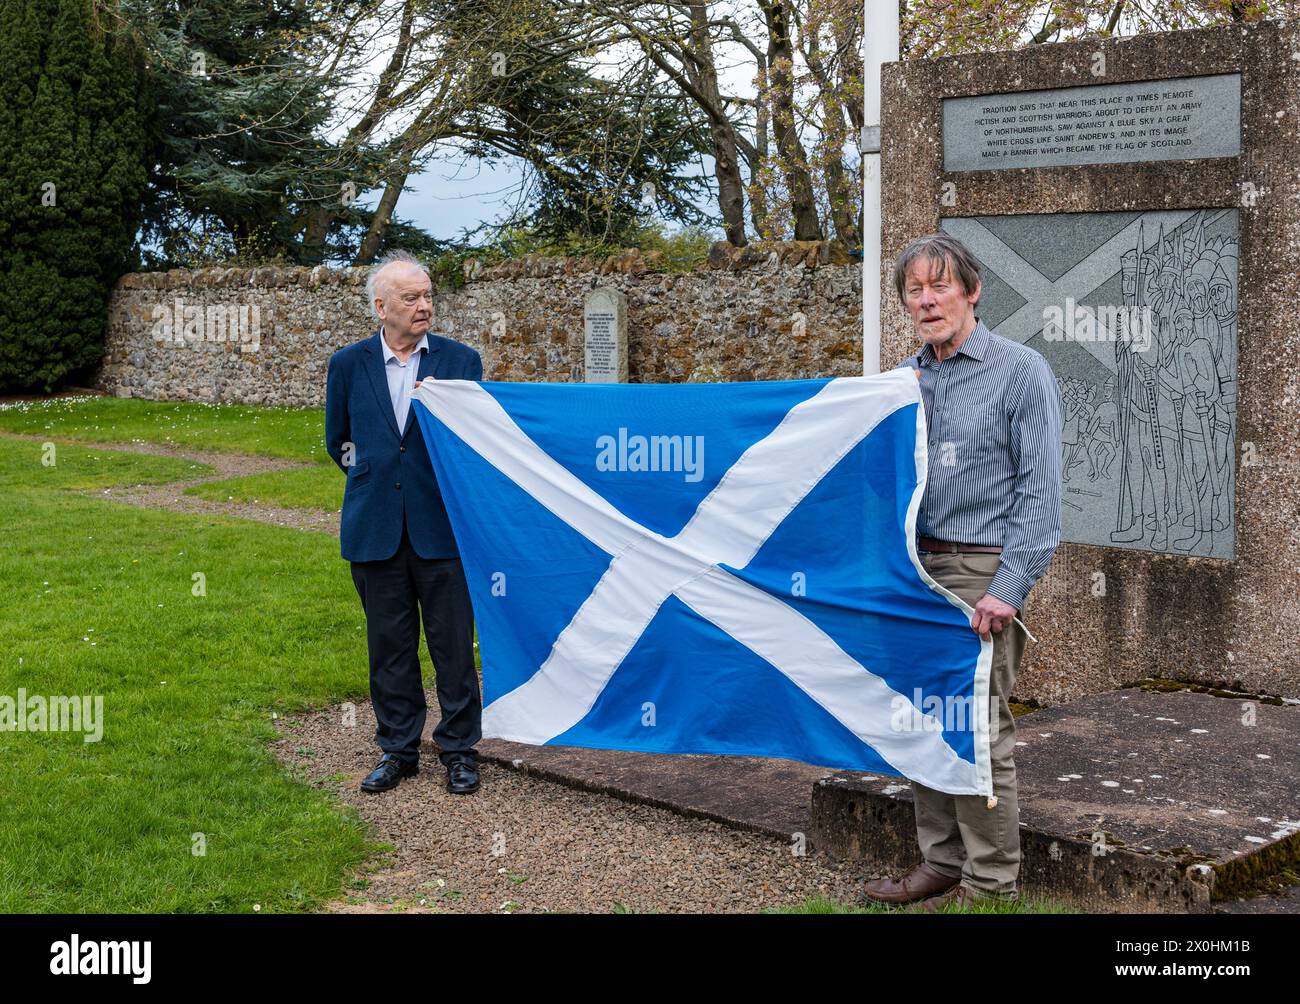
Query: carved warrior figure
(1103,433)
(1175,395)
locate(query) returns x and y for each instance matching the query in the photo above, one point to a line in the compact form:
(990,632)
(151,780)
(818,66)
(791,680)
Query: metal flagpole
(880,45)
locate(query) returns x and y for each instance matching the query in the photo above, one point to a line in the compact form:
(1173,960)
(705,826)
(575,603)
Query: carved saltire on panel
(1137,315)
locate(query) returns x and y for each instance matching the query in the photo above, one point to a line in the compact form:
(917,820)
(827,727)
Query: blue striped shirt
(993,415)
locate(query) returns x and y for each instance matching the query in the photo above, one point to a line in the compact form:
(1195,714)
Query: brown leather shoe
(921,882)
(958,896)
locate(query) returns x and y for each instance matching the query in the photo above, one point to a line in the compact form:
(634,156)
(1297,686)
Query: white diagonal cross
(728,527)
(1039,292)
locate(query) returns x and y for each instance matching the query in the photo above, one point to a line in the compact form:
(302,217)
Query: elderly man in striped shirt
(988,525)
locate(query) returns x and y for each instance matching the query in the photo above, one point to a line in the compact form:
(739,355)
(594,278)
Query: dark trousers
(396,594)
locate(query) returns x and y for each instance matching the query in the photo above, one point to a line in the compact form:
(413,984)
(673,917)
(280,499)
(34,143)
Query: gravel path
(171,495)
(524,845)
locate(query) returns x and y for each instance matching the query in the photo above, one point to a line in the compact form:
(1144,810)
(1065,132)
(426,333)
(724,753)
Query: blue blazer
(391,481)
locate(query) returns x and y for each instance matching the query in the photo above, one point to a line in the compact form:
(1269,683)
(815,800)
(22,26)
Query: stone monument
(1134,205)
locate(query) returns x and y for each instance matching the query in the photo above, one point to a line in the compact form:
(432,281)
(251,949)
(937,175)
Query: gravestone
(1131,203)
(604,312)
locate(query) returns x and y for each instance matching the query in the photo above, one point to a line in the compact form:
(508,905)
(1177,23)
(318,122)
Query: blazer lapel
(379,380)
(428,365)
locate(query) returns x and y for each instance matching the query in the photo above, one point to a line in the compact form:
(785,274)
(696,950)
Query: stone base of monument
(1129,801)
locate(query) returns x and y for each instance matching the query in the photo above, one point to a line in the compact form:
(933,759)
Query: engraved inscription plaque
(1180,119)
(605,324)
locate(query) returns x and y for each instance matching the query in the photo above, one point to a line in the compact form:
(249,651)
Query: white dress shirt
(402,377)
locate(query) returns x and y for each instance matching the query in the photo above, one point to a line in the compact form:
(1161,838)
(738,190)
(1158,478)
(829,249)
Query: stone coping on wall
(768,255)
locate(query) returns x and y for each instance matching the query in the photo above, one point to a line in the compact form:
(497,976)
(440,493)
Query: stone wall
(265,335)
(1104,615)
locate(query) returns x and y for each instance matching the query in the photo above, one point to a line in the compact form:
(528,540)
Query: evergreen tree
(72,148)
(236,145)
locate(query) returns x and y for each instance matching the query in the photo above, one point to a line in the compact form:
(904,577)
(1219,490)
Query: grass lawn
(307,488)
(288,433)
(1022,905)
(291,433)
(99,600)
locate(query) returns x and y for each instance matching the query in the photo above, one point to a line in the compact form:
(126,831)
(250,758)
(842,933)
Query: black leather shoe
(462,778)
(390,771)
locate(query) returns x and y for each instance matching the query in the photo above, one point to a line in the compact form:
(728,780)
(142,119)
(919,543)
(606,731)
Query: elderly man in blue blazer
(395,530)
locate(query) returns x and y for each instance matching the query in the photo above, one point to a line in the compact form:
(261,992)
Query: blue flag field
(711,568)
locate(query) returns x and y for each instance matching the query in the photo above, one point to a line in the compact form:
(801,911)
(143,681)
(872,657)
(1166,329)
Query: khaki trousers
(959,834)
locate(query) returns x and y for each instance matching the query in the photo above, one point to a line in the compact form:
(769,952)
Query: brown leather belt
(949,547)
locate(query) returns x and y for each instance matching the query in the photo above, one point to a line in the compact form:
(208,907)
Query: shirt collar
(423,343)
(976,345)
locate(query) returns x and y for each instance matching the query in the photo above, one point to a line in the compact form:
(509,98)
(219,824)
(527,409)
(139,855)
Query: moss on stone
(1217,689)
(1273,867)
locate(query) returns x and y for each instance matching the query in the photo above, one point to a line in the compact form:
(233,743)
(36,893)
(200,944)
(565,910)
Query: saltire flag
(711,568)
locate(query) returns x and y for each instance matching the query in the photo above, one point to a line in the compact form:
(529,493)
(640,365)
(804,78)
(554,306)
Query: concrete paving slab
(1129,800)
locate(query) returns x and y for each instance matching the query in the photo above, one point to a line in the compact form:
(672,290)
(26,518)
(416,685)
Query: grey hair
(940,249)
(390,258)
